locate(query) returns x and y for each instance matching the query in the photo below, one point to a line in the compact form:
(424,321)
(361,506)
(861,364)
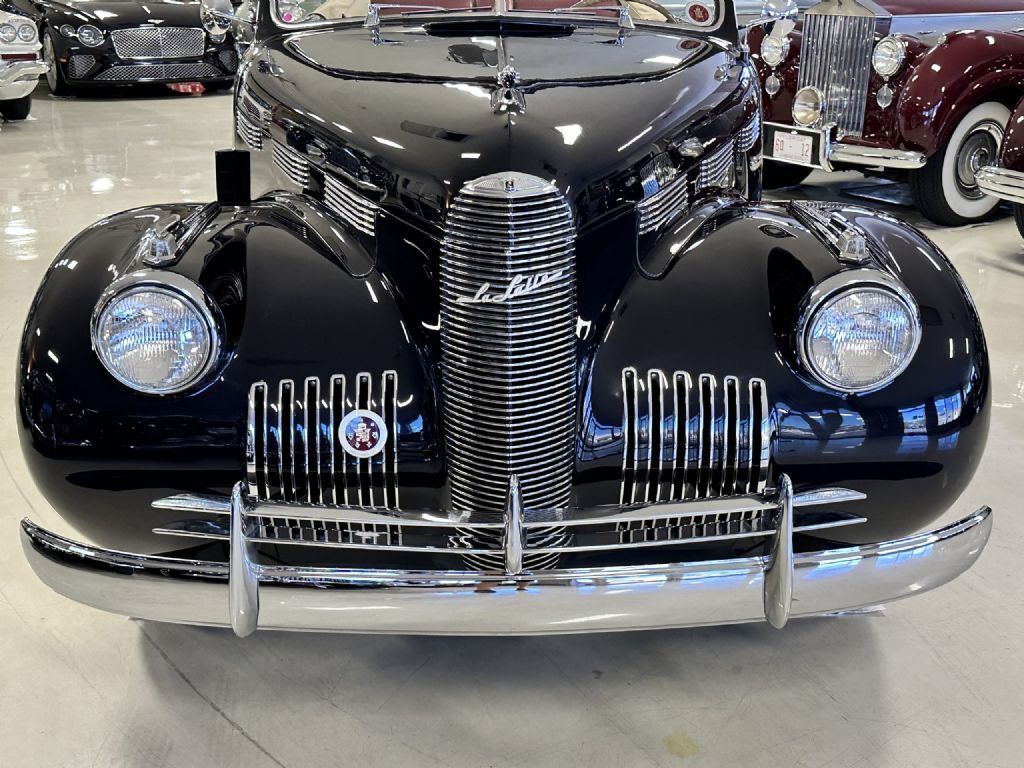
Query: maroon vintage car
(1006,179)
(915,89)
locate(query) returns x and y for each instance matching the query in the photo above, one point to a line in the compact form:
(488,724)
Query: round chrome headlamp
(888,56)
(774,49)
(808,105)
(90,35)
(859,332)
(67,30)
(27,33)
(8,34)
(155,335)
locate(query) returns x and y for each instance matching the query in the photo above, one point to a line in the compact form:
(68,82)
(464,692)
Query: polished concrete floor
(933,682)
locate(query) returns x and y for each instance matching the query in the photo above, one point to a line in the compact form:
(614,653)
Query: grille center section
(508,342)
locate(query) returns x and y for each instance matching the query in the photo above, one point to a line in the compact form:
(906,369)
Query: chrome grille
(664,205)
(749,134)
(835,58)
(693,439)
(199,70)
(349,204)
(294,452)
(718,168)
(80,64)
(159,43)
(228,60)
(508,342)
(250,132)
(292,164)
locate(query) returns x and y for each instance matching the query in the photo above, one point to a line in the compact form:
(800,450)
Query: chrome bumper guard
(1002,183)
(831,152)
(245,594)
(17,71)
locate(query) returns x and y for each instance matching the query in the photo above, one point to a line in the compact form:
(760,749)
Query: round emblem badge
(362,434)
(698,13)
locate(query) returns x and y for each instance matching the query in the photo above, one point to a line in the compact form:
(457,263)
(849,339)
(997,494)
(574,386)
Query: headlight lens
(155,339)
(8,34)
(27,33)
(67,30)
(888,56)
(860,338)
(90,35)
(808,105)
(774,50)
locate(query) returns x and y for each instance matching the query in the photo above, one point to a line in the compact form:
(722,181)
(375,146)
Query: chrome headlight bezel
(896,52)
(8,33)
(812,100)
(91,29)
(842,285)
(178,287)
(773,56)
(27,33)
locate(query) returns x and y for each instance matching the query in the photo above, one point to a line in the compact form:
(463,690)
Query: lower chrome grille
(508,342)
(664,205)
(250,132)
(749,134)
(718,168)
(294,451)
(199,70)
(228,60)
(693,439)
(159,43)
(292,164)
(835,58)
(80,65)
(350,205)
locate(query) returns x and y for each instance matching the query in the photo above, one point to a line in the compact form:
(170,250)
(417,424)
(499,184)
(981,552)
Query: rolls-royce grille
(508,342)
(293,164)
(693,438)
(293,445)
(349,204)
(159,43)
(199,70)
(835,58)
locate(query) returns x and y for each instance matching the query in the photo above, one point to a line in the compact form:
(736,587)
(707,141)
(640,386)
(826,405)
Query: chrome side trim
(350,205)
(1002,183)
(855,154)
(465,602)
(292,163)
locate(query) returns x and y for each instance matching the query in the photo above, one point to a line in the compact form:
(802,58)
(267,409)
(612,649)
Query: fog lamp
(808,105)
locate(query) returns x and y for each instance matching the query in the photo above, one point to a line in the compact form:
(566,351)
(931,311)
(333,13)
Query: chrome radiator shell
(508,342)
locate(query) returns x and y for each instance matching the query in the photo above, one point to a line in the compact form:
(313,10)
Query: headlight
(8,34)
(808,105)
(859,333)
(67,30)
(888,56)
(27,33)
(156,337)
(90,35)
(774,50)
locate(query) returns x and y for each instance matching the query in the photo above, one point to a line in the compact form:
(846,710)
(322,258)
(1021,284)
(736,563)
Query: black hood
(113,14)
(418,106)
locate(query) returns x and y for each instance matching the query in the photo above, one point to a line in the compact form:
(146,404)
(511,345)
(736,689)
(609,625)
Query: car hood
(113,14)
(958,7)
(418,106)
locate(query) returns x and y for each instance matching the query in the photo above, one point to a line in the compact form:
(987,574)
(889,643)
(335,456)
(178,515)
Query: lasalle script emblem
(362,434)
(519,285)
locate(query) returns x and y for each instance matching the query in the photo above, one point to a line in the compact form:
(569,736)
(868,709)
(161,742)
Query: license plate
(793,147)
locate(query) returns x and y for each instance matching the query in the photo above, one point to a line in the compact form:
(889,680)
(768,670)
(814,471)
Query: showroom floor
(933,682)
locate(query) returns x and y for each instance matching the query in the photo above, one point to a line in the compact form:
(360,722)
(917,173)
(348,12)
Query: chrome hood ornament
(507,97)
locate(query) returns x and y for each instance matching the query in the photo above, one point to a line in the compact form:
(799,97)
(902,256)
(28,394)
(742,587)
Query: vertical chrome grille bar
(660,432)
(339,470)
(764,447)
(681,485)
(389,412)
(312,430)
(629,423)
(732,435)
(364,480)
(706,442)
(251,452)
(286,454)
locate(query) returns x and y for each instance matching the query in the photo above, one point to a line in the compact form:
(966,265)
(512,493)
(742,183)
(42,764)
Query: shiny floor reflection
(936,681)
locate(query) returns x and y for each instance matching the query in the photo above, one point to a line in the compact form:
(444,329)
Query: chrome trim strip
(1002,183)
(854,154)
(513,539)
(464,602)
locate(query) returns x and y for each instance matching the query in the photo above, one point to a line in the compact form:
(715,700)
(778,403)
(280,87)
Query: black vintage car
(499,339)
(124,42)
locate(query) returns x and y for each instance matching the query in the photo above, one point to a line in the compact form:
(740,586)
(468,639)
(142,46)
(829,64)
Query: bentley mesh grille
(292,164)
(199,70)
(228,60)
(687,438)
(80,65)
(293,448)
(350,205)
(159,43)
(835,58)
(508,342)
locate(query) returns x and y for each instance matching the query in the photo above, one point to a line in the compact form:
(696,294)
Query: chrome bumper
(17,71)
(831,152)
(247,595)
(1002,183)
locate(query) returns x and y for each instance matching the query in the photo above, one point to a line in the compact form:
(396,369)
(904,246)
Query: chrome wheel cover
(51,59)
(978,149)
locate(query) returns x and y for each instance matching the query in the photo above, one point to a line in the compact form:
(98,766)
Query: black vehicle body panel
(726,304)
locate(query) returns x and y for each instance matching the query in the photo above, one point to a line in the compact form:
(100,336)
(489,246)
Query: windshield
(700,14)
